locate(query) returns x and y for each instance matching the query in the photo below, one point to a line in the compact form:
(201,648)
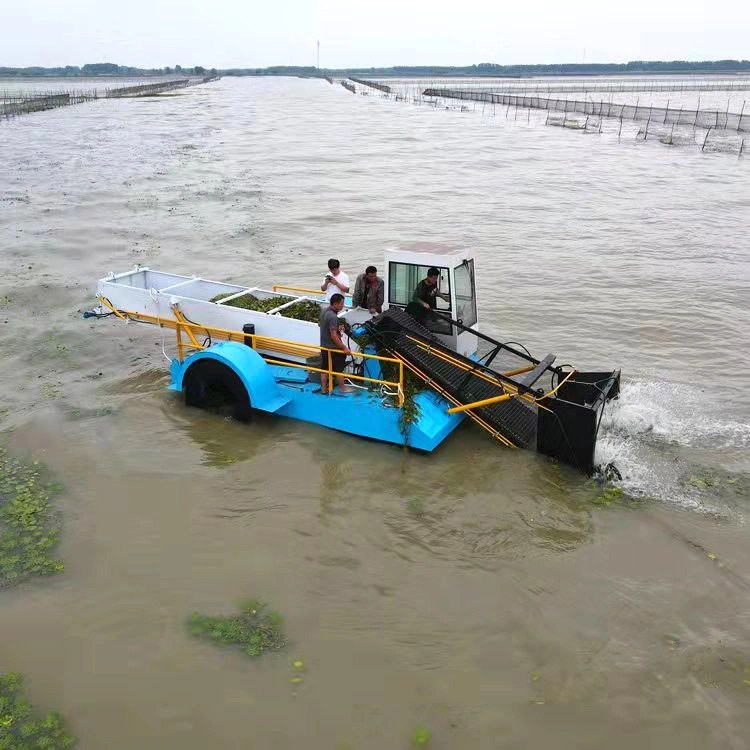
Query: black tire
(210,385)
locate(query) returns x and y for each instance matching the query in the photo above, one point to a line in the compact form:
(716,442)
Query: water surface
(477,591)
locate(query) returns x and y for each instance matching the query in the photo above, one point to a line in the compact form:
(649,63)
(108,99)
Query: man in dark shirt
(330,338)
(425,293)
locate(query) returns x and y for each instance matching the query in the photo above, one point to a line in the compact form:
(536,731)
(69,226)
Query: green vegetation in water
(28,530)
(18,730)
(421,737)
(416,507)
(256,629)
(410,411)
(297,678)
(718,483)
(607,496)
(303,310)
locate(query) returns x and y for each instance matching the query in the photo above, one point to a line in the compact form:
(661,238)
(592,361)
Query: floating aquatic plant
(18,730)
(421,737)
(607,496)
(256,629)
(28,530)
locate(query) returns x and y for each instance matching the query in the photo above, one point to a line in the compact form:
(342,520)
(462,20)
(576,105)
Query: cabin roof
(428,248)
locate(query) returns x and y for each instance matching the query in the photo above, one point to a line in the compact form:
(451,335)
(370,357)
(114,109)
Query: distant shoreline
(489,70)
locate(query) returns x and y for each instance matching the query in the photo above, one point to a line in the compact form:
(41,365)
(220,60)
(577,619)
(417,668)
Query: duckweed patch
(607,496)
(302,310)
(255,629)
(714,482)
(28,529)
(19,730)
(421,737)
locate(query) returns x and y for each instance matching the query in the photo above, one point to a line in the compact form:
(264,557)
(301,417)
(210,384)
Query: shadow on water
(471,501)
(222,440)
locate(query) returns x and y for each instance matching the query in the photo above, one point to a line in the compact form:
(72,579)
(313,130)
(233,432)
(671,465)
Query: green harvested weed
(302,310)
(28,530)
(256,629)
(413,384)
(18,730)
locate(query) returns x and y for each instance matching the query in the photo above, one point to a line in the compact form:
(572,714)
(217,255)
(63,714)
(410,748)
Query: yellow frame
(317,292)
(282,346)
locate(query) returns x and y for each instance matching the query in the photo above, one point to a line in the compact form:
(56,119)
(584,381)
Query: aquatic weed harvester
(240,349)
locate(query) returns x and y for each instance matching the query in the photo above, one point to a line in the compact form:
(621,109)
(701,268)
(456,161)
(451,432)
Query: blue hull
(284,391)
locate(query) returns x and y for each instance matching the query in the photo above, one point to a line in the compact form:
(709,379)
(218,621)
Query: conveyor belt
(460,377)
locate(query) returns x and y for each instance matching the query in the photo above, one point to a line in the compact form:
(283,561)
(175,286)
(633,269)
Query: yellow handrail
(181,319)
(447,396)
(519,371)
(483,402)
(466,368)
(506,396)
(317,292)
(284,346)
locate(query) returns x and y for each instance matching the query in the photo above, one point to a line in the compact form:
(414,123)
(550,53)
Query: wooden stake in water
(705,140)
(666,113)
(742,112)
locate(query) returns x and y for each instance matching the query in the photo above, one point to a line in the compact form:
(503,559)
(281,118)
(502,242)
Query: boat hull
(285,391)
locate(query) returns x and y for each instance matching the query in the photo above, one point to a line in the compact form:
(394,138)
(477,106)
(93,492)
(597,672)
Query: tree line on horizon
(497,70)
(104,69)
(482,69)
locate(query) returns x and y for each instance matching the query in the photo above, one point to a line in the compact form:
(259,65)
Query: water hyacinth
(28,529)
(18,730)
(256,629)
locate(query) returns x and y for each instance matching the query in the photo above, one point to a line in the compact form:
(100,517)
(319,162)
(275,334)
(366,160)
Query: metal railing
(318,292)
(184,327)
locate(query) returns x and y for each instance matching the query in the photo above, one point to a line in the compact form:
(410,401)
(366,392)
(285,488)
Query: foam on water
(673,411)
(648,430)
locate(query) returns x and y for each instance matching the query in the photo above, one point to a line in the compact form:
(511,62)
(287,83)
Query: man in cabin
(330,338)
(335,281)
(369,291)
(423,301)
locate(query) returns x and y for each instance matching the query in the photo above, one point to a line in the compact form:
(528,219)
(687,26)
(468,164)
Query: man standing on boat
(369,291)
(330,338)
(335,281)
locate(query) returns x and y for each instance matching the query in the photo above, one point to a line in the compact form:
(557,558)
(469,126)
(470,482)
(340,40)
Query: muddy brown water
(478,591)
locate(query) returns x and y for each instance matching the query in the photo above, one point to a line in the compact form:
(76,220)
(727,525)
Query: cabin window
(403,279)
(466,301)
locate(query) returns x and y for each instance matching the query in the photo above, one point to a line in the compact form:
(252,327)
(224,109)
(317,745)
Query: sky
(353,33)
